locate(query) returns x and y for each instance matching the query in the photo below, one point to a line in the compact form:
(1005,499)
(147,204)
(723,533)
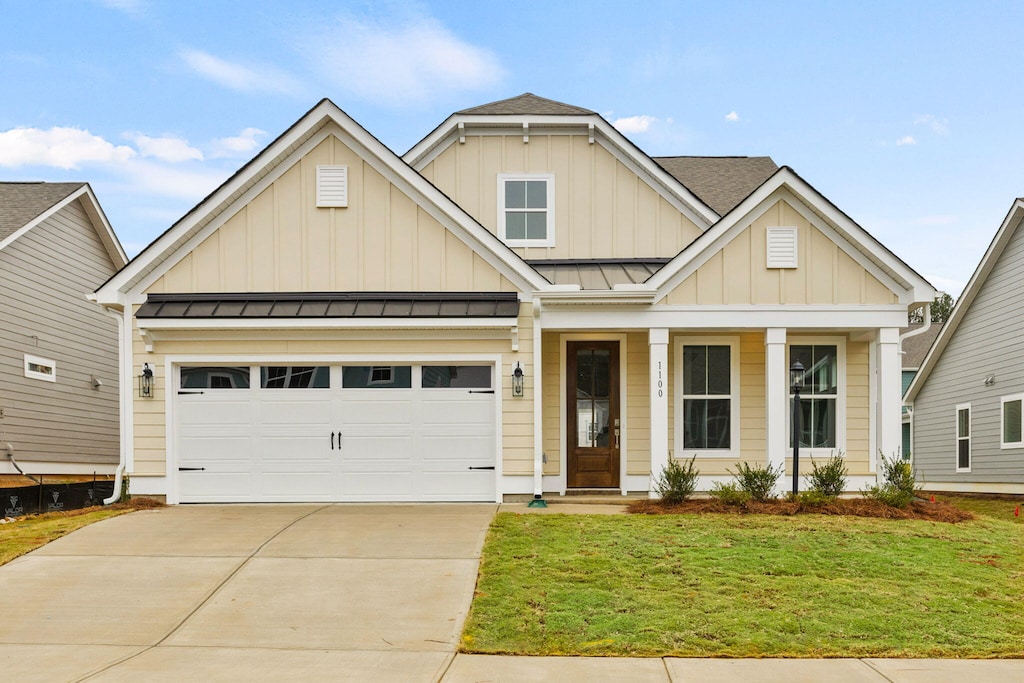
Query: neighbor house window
(819,398)
(709,395)
(1012,432)
(963,438)
(40,368)
(526,206)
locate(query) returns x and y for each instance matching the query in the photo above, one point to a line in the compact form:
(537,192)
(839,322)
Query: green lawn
(28,533)
(750,585)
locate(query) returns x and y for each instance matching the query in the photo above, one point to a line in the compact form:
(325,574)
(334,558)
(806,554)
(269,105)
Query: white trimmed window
(1013,434)
(526,209)
(40,368)
(707,396)
(822,398)
(963,437)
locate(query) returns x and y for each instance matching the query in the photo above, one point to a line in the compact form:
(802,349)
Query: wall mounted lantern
(796,382)
(517,381)
(146,382)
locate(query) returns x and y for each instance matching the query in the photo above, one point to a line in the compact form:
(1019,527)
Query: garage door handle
(332,441)
(482,468)
(191,469)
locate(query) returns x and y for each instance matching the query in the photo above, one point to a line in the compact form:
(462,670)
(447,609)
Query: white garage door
(335,433)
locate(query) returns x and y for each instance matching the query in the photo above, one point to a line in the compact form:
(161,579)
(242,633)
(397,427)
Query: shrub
(677,482)
(730,493)
(758,481)
(814,498)
(829,479)
(898,487)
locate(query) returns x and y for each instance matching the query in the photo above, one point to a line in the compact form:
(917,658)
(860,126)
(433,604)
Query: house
(59,370)
(966,398)
(915,339)
(523,304)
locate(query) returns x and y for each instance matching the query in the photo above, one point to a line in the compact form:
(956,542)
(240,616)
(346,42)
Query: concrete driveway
(246,592)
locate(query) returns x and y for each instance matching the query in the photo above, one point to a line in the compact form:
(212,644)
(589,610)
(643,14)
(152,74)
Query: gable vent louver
(782,247)
(331,186)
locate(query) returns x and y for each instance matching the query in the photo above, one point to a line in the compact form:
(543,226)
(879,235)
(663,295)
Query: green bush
(813,498)
(898,486)
(677,482)
(758,481)
(829,479)
(730,494)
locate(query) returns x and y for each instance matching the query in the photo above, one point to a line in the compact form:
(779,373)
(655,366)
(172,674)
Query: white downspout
(124,385)
(921,330)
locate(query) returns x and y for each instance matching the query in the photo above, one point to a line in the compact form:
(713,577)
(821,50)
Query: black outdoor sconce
(517,381)
(796,381)
(146,382)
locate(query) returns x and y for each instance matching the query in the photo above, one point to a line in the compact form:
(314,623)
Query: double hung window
(526,209)
(819,397)
(709,401)
(963,437)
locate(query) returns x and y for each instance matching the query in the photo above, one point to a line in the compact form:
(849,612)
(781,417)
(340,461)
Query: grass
(751,586)
(25,534)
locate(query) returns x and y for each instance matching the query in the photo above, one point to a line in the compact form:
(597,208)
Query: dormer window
(526,209)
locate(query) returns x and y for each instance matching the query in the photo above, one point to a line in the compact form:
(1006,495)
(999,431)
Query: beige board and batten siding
(281,242)
(603,209)
(738,273)
(45,276)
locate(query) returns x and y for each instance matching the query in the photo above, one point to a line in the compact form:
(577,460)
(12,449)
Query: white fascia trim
(595,296)
(837,318)
(95,213)
(610,139)
(784,182)
(371,150)
(995,249)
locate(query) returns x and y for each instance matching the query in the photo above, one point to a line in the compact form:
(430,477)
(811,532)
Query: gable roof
(24,205)
(22,202)
(1007,229)
(860,245)
(915,347)
(168,248)
(527,103)
(721,182)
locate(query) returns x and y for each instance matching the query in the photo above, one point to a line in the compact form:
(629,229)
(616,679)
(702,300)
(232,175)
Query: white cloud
(732,116)
(255,78)
(59,147)
(166,148)
(634,124)
(237,145)
(906,140)
(191,184)
(936,125)
(404,60)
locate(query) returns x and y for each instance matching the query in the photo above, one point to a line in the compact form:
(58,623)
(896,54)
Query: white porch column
(776,381)
(538,407)
(659,403)
(888,432)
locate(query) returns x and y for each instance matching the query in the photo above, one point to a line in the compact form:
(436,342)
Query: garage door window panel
(377,377)
(295,377)
(456,377)
(215,377)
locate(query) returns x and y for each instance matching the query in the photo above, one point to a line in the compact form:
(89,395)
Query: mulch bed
(856,507)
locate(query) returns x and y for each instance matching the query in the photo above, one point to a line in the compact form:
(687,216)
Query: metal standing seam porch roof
(594,274)
(332,305)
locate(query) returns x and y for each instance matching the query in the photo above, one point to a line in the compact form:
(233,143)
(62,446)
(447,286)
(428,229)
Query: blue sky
(905,114)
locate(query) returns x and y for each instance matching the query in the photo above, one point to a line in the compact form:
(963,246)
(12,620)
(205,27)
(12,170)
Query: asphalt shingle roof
(527,103)
(916,348)
(719,182)
(22,202)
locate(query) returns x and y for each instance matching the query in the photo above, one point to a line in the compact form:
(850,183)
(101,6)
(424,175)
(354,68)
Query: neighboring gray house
(59,388)
(966,400)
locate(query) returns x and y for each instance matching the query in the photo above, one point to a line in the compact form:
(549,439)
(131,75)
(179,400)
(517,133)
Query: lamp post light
(796,381)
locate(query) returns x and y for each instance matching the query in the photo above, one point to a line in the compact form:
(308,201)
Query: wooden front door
(592,412)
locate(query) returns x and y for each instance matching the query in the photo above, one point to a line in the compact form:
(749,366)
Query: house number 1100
(661,392)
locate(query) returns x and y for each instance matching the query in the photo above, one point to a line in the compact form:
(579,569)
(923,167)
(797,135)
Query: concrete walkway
(315,592)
